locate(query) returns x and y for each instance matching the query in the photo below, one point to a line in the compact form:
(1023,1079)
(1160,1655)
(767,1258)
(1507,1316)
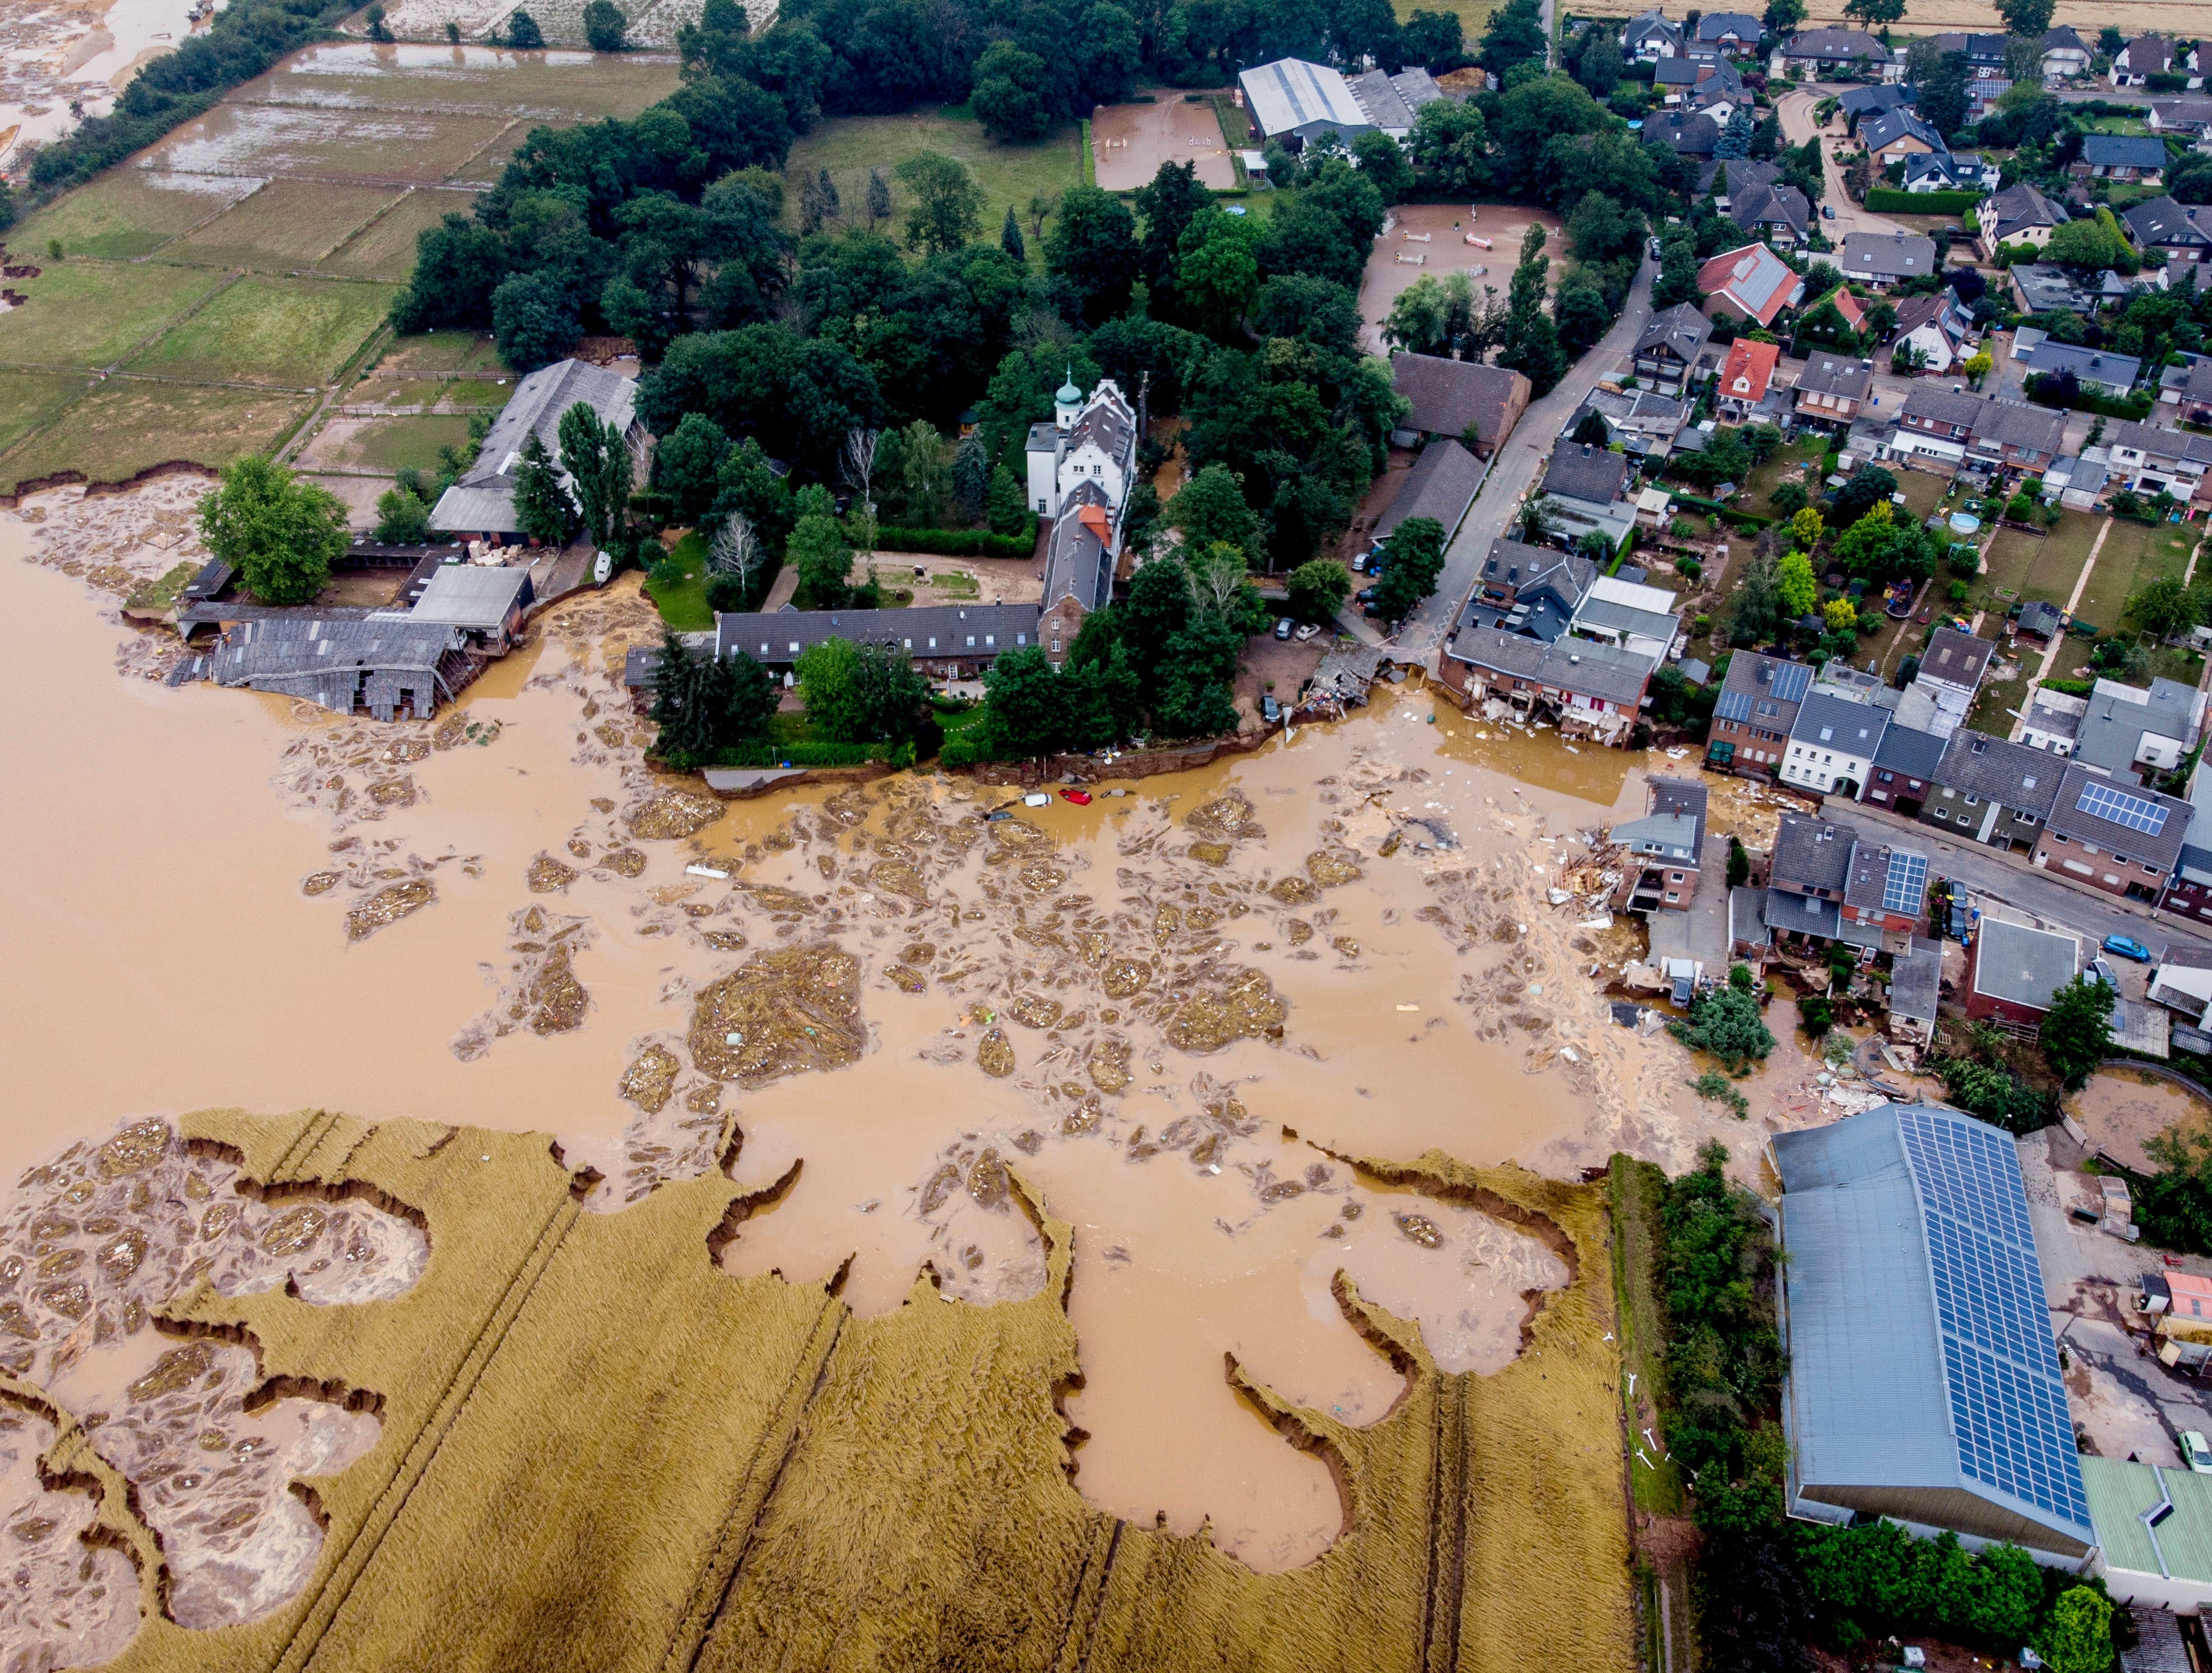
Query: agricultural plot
(128,213)
(480,80)
(287,225)
(296,333)
(129,425)
(93,313)
(440,351)
(403,147)
(849,146)
(384,249)
(29,399)
(385,444)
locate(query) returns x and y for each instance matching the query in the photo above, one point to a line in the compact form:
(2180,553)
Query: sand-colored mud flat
(2121,1109)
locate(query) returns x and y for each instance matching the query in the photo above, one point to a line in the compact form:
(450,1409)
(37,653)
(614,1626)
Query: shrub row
(957,542)
(1749,522)
(793,755)
(1888,200)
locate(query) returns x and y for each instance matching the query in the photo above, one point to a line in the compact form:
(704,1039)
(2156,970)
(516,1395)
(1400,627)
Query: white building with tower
(1081,467)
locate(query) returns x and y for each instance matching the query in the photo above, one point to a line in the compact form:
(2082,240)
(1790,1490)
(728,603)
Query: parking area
(1128,143)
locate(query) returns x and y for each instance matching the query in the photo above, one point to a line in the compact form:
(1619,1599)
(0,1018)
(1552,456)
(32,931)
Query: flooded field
(871,1044)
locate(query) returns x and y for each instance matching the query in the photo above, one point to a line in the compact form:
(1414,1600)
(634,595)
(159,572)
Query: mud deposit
(1097,1074)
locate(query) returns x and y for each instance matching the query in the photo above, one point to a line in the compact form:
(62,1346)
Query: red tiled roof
(1744,374)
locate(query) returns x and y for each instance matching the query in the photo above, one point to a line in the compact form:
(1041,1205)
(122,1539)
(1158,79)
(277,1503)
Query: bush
(1884,201)
(1815,1015)
(1688,568)
(958,542)
(1726,1023)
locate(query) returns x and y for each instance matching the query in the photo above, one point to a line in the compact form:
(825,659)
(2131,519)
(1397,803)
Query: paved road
(1518,465)
(1985,871)
(1797,126)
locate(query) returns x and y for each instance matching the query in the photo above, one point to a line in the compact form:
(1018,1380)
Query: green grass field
(1474,14)
(439,351)
(849,146)
(1784,464)
(125,214)
(132,424)
(384,249)
(2134,555)
(396,442)
(288,224)
(93,313)
(29,399)
(293,332)
(683,605)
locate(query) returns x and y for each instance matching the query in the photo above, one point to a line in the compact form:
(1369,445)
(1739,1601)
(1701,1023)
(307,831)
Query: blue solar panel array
(1906,885)
(2135,812)
(2008,1405)
(1790,680)
(1734,705)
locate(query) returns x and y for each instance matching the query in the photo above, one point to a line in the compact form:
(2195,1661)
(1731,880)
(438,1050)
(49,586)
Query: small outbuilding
(486,602)
(2013,970)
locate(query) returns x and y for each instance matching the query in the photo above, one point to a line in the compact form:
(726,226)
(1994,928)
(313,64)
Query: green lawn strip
(287,224)
(1922,492)
(477,394)
(2124,564)
(296,333)
(440,351)
(2008,562)
(1635,1189)
(1784,464)
(29,399)
(128,425)
(849,146)
(125,213)
(398,442)
(384,249)
(1993,703)
(683,605)
(91,314)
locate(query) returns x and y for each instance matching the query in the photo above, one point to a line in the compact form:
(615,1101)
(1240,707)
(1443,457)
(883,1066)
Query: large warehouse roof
(1291,95)
(1923,1379)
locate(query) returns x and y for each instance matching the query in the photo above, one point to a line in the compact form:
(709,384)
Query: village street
(1795,109)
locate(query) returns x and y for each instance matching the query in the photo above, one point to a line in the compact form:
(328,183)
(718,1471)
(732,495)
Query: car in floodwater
(2127,948)
(1080,798)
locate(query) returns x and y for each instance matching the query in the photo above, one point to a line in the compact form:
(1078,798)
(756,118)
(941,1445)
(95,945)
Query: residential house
(1579,471)
(1711,85)
(2182,980)
(1818,53)
(1642,421)
(1832,389)
(2186,120)
(1080,555)
(1664,850)
(2126,732)
(1090,440)
(2013,435)
(2064,53)
(2112,835)
(1937,421)
(1886,894)
(1745,375)
(2013,970)
(1930,327)
(1441,486)
(1893,136)
(2040,287)
(1983,93)
(1916,983)
(1904,769)
(480,505)
(1992,791)
(1666,356)
(2120,157)
(2188,389)
(1883,259)
(1292,99)
(1587,690)
(1926,706)
(2152,460)
(1649,37)
(2182,231)
(1950,170)
(1752,285)
(1985,54)
(1848,307)
(1687,133)
(2148,56)
(1731,34)
(1858,102)
(944,641)
(2053,721)
(1806,875)
(1533,590)
(1780,214)
(1754,712)
(1833,744)
(2019,213)
(2189,893)
(1629,615)
(2098,370)
(1955,659)
(2077,483)
(1456,398)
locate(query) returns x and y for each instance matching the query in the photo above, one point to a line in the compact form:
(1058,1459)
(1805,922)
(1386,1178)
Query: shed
(486,602)
(1923,1383)
(2012,971)
(2154,1554)
(1916,980)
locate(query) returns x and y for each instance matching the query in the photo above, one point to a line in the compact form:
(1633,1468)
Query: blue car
(2127,948)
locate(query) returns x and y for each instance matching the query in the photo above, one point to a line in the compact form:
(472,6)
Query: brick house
(1885,892)
(1991,790)
(2012,971)
(2112,835)
(1589,690)
(2188,894)
(1752,718)
(1832,389)
(1806,875)
(1664,850)
(1904,769)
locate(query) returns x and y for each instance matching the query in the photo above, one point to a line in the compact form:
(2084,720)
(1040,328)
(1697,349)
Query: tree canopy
(282,535)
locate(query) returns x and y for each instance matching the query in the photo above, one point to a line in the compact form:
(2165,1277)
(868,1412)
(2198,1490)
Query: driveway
(1797,126)
(1519,464)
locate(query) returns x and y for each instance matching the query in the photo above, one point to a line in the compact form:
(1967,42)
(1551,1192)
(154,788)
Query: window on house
(1973,801)
(1942,814)
(2150,871)
(2055,837)
(1055,646)
(971,641)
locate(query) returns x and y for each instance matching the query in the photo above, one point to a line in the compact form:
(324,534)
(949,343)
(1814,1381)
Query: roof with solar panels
(1923,1382)
(2120,818)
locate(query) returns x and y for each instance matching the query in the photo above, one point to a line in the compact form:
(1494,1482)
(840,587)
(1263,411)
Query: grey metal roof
(384,661)
(1390,101)
(1568,664)
(483,499)
(2112,727)
(1916,983)
(2085,811)
(1802,914)
(2123,151)
(473,596)
(1681,330)
(1921,1356)
(1913,753)
(1835,723)
(1611,614)
(2013,775)
(1291,95)
(1442,485)
(941,631)
(1811,853)
(1584,472)
(2023,965)
(1889,255)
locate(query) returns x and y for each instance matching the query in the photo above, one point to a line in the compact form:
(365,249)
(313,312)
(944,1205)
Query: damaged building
(1588,689)
(381,662)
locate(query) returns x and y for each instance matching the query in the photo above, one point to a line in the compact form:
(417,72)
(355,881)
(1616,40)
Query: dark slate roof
(1676,72)
(1743,173)
(1957,659)
(1834,43)
(1441,485)
(2146,54)
(1836,374)
(1916,981)
(1676,822)
(1887,127)
(1835,723)
(1911,753)
(2040,616)
(1802,914)
(1811,853)
(2013,775)
(2123,150)
(1858,100)
(2016,424)
(2162,220)
(1681,329)
(1078,561)
(1713,25)
(381,660)
(1898,255)
(1691,135)
(2155,441)
(1941,404)
(769,637)
(1575,665)
(2069,818)
(2062,35)
(1754,677)
(1763,205)
(1448,396)
(1584,472)
(2022,205)
(2090,365)
(1871,866)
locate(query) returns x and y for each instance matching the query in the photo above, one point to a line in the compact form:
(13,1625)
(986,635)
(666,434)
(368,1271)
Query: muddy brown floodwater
(1175,1013)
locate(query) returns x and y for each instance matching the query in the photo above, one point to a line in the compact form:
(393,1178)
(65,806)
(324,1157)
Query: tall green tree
(1007,98)
(606,28)
(1516,36)
(1009,237)
(1093,253)
(824,559)
(1317,589)
(543,510)
(1532,339)
(1026,705)
(2077,1030)
(402,518)
(282,535)
(2079,1639)
(1875,14)
(1168,202)
(2030,19)
(597,458)
(947,210)
(1209,508)
(1416,558)
(860,693)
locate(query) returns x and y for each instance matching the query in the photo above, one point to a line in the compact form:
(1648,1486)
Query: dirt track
(1128,143)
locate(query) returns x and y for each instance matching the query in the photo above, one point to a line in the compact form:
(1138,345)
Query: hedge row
(2137,409)
(793,755)
(1749,522)
(1888,200)
(957,542)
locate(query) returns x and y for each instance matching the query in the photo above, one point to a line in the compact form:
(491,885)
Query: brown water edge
(220,980)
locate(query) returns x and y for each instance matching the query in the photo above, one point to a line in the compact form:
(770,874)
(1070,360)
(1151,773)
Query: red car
(1080,798)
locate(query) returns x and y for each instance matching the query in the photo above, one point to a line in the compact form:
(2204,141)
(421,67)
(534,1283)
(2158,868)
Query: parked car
(1366,595)
(1360,563)
(2127,948)
(1828,211)
(1285,627)
(2100,972)
(1305,633)
(1657,251)
(2196,1452)
(1270,710)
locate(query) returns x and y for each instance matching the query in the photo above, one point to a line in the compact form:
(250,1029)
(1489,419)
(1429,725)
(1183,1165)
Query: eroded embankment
(599,1450)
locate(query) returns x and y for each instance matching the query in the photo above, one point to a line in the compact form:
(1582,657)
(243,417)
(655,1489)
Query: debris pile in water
(780,1012)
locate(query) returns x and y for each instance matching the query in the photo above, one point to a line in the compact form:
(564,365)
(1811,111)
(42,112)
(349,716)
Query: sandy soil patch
(2119,1109)
(1128,143)
(1431,238)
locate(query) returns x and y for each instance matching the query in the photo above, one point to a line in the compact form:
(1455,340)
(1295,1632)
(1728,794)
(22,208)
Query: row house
(1904,769)
(1589,690)
(1664,851)
(2113,836)
(1993,791)
(2129,733)
(1953,426)
(2188,894)
(1884,896)
(1754,712)
(1807,872)
(1833,746)
(2152,460)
